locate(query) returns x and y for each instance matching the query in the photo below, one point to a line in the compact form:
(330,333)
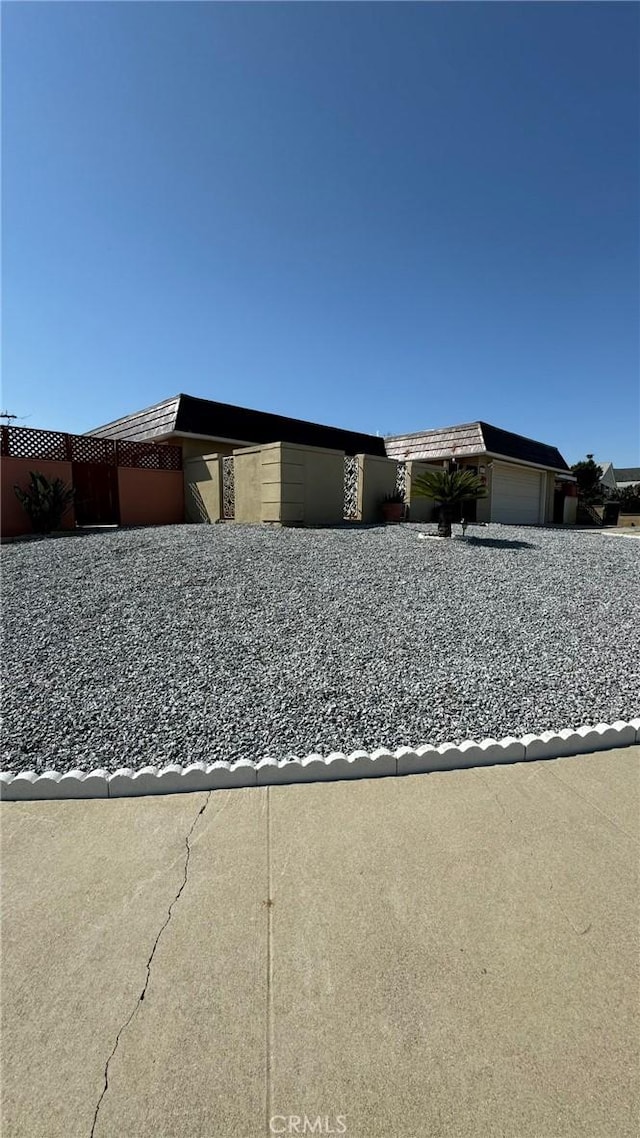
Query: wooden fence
(115,481)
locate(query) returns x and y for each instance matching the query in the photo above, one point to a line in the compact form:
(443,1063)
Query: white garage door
(515,495)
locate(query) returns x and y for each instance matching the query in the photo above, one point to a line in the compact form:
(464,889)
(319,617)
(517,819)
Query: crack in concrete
(149,963)
(269,985)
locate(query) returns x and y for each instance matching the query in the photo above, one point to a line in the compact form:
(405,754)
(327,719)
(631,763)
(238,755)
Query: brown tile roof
(471,439)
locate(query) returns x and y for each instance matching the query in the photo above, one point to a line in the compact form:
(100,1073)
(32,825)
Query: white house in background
(528,482)
(617,478)
(608,480)
(626,476)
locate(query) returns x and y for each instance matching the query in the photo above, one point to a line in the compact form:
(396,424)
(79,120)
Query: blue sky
(381,216)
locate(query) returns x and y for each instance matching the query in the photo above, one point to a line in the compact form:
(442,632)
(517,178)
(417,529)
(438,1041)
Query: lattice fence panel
(148,456)
(228,488)
(25,442)
(90,448)
(401,480)
(351,472)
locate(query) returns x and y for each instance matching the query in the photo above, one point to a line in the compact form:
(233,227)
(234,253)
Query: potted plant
(392,507)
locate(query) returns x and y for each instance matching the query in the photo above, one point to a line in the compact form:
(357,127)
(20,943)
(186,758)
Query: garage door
(515,495)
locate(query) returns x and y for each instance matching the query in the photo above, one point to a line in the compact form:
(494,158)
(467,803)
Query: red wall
(150,497)
(15,472)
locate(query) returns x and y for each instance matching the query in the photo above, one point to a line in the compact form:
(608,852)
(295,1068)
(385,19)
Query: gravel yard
(191,643)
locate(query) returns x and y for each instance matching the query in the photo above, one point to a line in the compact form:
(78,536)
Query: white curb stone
(418,761)
(314,768)
(223,775)
(77,784)
(126,783)
(27,785)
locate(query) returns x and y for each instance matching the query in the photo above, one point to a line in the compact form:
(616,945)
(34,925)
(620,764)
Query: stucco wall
(570,509)
(420,509)
(197,448)
(248,485)
(323,486)
(376,478)
(289,484)
(150,497)
(15,472)
(203,488)
(549,498)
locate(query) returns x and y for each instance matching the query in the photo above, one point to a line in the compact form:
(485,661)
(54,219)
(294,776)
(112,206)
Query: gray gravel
(191,643)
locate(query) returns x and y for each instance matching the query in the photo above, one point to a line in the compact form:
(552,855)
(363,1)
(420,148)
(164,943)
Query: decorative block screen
(228,488)
(351,474)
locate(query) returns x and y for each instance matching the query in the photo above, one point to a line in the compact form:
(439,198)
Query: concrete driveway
(441,955)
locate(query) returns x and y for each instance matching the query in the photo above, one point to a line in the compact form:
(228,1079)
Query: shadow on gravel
(497,543)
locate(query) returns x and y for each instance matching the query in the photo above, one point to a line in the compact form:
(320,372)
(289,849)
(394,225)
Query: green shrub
(45,500)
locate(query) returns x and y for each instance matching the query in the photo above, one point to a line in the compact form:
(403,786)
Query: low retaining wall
(150,497)
(314,768)
(15,472)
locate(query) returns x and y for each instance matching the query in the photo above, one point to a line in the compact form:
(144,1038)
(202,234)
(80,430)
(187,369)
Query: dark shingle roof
(519,446)
(626,473)
(471,439)
(186,414)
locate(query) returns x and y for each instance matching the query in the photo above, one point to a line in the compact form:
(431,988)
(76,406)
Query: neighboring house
(608,480)
(617,478)
(202,426)
(528,482)
(626,476)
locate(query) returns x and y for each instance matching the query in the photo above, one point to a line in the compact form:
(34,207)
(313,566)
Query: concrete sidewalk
(449,954)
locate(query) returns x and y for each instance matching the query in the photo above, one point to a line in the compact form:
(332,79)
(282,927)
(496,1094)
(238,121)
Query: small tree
(588,474)
(630,499)
(449,488)
(45,500)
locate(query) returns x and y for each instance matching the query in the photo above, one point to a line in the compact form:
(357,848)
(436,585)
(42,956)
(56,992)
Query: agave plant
(45,500)
(449,487)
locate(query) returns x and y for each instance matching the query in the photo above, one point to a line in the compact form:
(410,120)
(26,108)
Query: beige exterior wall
(549,498)
(420,509)
(198,448)
(376,478)
(248,485)
(289,484)
(323,485)
(203,488)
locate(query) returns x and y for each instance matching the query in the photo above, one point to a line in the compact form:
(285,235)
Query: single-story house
(626,476)
(203,426)
(608,480)
(528,482)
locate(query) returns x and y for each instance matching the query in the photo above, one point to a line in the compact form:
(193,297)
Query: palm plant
(449,487)
(45,500)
